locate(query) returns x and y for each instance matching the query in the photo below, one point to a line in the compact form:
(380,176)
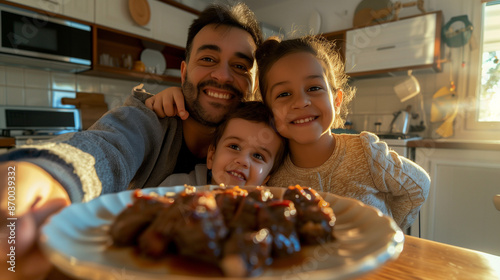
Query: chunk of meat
(132,221)
(246,253)
(280,217)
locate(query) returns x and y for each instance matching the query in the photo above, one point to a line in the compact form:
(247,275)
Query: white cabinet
(460,209)
(116,14)
(80,9)
(170,24)
(400,45)
(51,6)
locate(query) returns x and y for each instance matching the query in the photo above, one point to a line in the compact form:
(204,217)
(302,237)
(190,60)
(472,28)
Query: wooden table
(423,259)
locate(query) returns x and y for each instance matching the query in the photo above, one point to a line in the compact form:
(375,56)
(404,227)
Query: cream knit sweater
(364,168)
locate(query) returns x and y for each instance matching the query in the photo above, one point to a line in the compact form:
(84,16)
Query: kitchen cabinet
(79,9)
(460,210)
(409,43)
(172,29)
(115,14)
(52,6)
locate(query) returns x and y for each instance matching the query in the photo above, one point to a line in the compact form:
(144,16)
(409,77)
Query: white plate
(154,59)
(76,241)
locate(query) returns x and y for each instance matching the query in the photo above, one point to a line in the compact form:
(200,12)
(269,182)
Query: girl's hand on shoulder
(168,103)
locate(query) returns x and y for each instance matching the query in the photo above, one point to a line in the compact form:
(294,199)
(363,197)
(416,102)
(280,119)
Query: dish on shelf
(140,11)
(154,61)
(76,240)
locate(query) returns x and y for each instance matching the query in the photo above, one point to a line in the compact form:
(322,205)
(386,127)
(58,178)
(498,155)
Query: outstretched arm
(28,196)
(168,103)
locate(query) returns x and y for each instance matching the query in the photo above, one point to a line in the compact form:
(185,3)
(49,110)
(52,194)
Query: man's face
(219,74)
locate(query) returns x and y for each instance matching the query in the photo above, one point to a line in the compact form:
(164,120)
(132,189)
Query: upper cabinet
(80,9)
(170,24)
(409,43)
(52,6)
(116,14)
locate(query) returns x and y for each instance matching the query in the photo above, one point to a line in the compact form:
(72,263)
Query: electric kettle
(401,122)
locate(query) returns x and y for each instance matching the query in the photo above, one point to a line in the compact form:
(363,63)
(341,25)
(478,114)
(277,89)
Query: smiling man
(129,147)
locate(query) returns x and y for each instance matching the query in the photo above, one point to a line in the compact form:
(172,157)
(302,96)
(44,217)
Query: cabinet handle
(385,48)
(52,2)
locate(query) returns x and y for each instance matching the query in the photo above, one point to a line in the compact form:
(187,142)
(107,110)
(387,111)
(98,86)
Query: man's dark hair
(258,112)
(238,15)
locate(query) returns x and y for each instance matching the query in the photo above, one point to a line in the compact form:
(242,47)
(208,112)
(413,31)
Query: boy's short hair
(238,15)
(258,112)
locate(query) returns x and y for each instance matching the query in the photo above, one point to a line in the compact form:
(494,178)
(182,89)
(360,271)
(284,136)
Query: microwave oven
(38,40)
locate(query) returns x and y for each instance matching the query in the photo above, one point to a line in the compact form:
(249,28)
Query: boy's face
(244,155)
(219,74)
(300,98)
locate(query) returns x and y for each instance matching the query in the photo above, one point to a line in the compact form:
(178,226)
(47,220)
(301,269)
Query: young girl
(304,83)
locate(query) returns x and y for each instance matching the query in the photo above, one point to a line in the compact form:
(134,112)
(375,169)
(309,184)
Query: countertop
(490,145)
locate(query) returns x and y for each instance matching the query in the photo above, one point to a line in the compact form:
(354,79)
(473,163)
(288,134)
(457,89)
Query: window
(480,79)
(488,99)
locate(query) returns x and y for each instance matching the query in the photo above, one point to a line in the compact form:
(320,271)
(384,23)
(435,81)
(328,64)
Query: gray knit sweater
(129,147)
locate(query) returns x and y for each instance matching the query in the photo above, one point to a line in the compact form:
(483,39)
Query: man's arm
(28,196)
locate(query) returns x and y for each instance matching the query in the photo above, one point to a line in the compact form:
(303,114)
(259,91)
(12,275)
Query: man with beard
(129,147)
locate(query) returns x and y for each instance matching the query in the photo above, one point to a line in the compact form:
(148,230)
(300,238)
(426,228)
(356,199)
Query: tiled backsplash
(29,87)
(376,101)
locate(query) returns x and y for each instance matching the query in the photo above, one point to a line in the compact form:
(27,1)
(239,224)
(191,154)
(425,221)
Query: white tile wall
(376,100)
(14,76)
(2,95)
(36,79)
(14,96)
(37,97)
(2,76)
(30,87)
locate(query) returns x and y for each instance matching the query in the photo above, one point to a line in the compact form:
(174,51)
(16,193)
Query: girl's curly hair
(324,50)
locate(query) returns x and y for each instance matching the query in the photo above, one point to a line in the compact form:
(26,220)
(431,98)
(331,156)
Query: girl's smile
(300,97)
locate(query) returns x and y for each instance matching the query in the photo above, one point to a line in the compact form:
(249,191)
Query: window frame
(466,124)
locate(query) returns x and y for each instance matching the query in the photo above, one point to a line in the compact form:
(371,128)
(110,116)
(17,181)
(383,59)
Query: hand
(168,103)
(34,196)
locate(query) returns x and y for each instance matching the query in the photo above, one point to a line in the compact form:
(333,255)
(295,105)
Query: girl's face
(299,95)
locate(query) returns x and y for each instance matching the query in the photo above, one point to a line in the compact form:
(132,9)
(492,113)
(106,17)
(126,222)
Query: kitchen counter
(490,145)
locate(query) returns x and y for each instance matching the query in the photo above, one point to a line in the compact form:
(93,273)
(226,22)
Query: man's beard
(197,112)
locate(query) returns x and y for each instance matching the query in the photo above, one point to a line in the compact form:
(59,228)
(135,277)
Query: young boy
(245,150)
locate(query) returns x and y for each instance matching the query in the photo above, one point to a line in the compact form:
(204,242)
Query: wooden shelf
(123,73)
(118,44)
